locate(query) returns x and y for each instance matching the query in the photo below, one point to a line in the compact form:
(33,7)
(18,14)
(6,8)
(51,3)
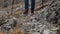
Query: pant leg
(32,6)
(26,6)
(26,3)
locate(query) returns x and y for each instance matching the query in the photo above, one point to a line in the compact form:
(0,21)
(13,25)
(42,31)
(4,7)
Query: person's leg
(32,6)
(26,6)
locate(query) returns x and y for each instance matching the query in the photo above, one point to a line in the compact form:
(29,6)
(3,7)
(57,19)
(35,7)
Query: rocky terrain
(46,18)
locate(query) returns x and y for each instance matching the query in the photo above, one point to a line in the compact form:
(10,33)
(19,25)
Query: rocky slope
(44,21)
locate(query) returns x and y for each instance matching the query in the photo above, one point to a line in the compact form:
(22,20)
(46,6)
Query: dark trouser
(27,5)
